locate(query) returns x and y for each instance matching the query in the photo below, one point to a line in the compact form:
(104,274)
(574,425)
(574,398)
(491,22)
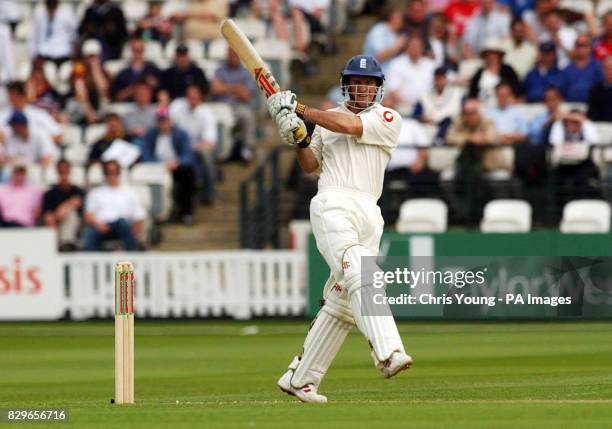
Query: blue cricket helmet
(363,65)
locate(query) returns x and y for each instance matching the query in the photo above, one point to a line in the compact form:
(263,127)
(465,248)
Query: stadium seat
(422,215)
(506,216)
(93,133)
(196,49)
(442,159)
(586,216)
(77,175)
(209,67)
(217,50)
(225,121)
(532,109)
(72,135)
(156,176)
(120,108)
(585,7)
(145,197)
(134,10)
(277,53)
(253,29)
(113,67)
(469,67)
(171,6)
(76,154)
(603,7)
(95,175)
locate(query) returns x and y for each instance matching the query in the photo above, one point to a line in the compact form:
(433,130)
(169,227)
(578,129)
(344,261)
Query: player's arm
(334,121)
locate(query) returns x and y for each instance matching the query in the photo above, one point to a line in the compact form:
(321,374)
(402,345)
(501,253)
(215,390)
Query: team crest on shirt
(388,116)
(345,265)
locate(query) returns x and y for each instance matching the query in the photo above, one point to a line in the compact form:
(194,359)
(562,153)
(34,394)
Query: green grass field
(466,375)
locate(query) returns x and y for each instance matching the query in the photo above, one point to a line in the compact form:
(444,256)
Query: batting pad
(380,331)
(324,339)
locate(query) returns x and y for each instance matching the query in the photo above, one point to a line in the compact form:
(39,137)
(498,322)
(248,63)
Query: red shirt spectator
(603,46)
(458,12)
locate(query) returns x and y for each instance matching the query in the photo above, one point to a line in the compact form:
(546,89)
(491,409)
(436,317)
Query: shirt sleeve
(316,144)
(556,133)
(209,126)
(381,127)
(91,202)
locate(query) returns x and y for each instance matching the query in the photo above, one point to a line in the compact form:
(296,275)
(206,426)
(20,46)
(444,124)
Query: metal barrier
(239,284)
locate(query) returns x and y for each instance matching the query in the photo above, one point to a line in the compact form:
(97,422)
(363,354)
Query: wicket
(124,333)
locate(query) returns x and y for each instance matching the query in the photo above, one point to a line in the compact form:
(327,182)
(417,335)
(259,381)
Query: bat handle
(300,133)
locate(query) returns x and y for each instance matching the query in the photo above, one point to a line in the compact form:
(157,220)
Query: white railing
(240,284)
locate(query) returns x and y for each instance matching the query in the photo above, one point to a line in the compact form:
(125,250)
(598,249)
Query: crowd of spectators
(504,80)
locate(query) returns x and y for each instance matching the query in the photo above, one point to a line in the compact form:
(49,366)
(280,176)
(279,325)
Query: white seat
(422,215)
(506,216)
(604,132)
(196,49)
(172,6)
(72,135)
(568,106)
(77,154)
(134,10)
(469,67)
(93,133)
(442,158)
(144,195)
(156,176)
(603,7)
(581,6)
(217,50)
(77,175)
(253,29)
(586,216)
(113,67)
(95,175)
(277,53)
(121,108)
(209,67)
(225,121)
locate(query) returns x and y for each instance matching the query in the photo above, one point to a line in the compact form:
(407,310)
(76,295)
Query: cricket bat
(254,64)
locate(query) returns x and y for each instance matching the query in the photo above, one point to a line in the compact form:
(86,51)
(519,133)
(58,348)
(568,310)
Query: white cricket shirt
(357,163)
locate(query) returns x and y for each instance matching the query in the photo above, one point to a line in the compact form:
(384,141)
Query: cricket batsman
(349,149)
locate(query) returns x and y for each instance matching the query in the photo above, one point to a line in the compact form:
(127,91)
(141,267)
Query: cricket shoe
(307,393)
(395,364)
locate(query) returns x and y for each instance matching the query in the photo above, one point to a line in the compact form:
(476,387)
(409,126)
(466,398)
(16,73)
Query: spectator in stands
(458,13)
(517,7)
(114,131)
(41,93)
(540,126)
(200,123)
(271,11)
(493,73)
(37,118)
(487,23)
(7,65)
(442,42)
(62,207)
(53,32)
(383,41)
(112,211)
(182,73)
(410,77)
(521,53)
(472,129)
(510,120)
(234,85)
(307,12)
(582,74)
(544,75)
(138,68)
(202,18)
(408,163)
(139,120)
(600,98)
(104,21)
(556,31)
(23,142)
(171,145)
(19,200)
(415,20)
(575,173)
(441,105)
(10,13)
(603,45)
(533,18)
(89,86)
(154,26)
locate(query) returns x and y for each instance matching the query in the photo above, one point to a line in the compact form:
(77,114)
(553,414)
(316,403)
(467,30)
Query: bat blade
(254,64)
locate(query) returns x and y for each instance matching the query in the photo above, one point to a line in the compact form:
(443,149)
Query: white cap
(91,47)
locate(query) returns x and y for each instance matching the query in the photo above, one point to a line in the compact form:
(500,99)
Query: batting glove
(287,123)
(284,100)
